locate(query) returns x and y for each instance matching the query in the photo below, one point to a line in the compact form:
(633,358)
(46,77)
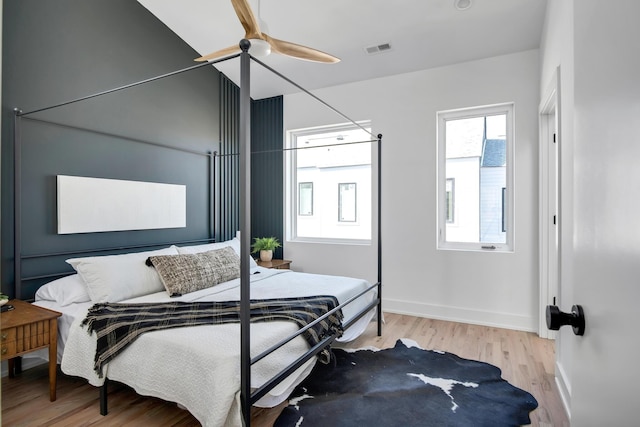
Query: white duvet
(199,367)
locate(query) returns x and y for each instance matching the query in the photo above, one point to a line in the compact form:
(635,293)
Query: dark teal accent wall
(267,169)
(55,51)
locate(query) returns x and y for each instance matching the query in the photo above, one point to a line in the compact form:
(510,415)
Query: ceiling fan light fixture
(259,48)
(462,4)
(261,44)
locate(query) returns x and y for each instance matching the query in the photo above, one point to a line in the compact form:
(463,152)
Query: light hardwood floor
(526,360)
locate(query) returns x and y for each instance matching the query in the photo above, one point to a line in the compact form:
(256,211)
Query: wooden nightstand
(27,328)
(280,264)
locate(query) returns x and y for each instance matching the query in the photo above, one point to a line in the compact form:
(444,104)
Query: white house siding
(486,288)
(324,220)
(492,181)
(466,199)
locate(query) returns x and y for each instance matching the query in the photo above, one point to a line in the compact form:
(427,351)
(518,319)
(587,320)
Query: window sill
(351,242)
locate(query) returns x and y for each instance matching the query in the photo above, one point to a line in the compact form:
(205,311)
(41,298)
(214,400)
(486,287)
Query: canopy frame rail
(246,396)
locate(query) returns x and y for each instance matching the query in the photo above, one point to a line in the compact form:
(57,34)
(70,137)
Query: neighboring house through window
(305,198)
(329,184)
(475,151)
(449,198)
(347,203)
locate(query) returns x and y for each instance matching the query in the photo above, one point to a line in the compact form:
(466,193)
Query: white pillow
(113,278)
(66,290)
(234,243)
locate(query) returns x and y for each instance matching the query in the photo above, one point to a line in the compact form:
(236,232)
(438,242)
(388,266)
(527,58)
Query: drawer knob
(4,336)
(4,350)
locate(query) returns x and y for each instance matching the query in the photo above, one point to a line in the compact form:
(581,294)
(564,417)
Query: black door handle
(556,318)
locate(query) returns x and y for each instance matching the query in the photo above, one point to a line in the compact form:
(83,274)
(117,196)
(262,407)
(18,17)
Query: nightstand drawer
(8,335)
(23,339)
(8,350)
(8,343)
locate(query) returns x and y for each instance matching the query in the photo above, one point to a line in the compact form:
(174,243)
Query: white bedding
(199,367)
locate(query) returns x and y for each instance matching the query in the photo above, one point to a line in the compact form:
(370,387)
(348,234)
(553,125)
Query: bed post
(17,204)
(212,194)
(245,230)
(104,390)
(379,234)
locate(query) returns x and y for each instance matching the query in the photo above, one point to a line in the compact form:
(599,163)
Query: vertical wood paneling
(267,171)
(227,202)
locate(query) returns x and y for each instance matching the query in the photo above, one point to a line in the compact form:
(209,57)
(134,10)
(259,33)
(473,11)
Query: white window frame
(291,185)
(464,113)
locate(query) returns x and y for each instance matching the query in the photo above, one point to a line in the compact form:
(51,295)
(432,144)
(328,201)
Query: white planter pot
(266,256)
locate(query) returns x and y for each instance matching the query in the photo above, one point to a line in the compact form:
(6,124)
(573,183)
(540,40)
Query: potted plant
(265,246)
(3,299)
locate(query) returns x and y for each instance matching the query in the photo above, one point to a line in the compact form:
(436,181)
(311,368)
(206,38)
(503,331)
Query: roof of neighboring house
(494,153)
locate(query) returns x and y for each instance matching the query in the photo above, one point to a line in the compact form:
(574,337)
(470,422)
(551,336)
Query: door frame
(550,218)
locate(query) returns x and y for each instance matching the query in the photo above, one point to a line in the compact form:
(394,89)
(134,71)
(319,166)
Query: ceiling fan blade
(247,19)
(219,53)
(299,51)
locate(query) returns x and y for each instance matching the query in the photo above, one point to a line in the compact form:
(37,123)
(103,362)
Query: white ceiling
(423,34)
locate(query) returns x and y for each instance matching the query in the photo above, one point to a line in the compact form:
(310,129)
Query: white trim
(549,118)
(460,314)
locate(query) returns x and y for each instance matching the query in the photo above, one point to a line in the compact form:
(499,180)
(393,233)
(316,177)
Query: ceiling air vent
(384,47)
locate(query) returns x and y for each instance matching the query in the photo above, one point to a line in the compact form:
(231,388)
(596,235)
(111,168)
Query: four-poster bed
(358,293)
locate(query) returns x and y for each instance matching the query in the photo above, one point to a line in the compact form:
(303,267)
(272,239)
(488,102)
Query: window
(475,178)
(347,202)
(305,198)
(319,162)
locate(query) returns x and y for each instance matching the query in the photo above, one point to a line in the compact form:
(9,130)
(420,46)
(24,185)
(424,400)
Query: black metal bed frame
(247,397)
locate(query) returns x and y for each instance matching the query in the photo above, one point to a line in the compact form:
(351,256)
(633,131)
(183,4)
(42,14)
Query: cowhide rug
(405,386)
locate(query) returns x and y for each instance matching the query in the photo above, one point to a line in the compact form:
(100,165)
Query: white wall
(556,50)
(486,288)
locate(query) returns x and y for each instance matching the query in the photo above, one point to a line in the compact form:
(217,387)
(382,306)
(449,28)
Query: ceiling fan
(262,44)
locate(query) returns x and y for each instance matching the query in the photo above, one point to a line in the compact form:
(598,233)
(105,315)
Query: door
(605,374)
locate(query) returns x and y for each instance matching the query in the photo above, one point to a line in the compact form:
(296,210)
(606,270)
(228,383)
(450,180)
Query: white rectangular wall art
(91,205)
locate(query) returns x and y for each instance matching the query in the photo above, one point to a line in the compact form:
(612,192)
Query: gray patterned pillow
(186,273)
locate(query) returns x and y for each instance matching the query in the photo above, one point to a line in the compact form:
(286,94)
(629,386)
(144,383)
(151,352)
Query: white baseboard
(463,315)
(564,387)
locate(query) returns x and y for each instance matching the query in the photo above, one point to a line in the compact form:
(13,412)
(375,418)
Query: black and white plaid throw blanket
(118,325)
